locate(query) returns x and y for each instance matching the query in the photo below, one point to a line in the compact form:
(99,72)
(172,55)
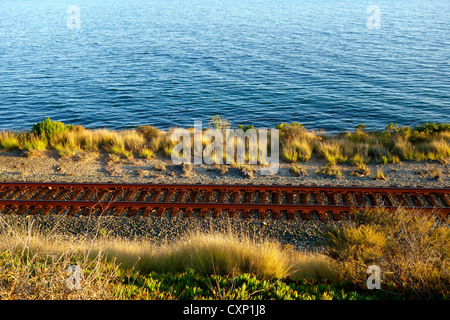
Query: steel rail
(43,197)
(289,188)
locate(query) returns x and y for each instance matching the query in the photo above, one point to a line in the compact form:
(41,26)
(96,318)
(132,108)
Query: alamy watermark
(374,279)
(74,279)
(374,20)
(74,19)
(230,146)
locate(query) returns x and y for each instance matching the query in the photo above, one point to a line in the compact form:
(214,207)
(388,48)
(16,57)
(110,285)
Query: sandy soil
(16,166)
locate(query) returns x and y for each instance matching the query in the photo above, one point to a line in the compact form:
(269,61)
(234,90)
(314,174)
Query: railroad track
(263,201)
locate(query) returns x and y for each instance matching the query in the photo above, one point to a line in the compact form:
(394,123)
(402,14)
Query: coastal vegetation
(427,142)
(410,248)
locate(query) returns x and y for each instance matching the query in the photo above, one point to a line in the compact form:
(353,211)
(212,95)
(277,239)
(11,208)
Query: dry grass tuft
(331,171)
(332,152)
(361,171)
(297,170)
(9,141)
(379,175)
(32,144)
(186,170)
(161,166)
(147,153)
(218,253)
(247,170)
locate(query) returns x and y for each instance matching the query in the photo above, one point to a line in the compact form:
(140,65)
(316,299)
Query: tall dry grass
(219,253)
(33,263)
(116,142)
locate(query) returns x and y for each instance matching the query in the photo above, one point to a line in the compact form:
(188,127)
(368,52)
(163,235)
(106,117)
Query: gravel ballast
(14,166)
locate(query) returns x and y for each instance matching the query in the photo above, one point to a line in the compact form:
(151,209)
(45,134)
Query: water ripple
(169,63)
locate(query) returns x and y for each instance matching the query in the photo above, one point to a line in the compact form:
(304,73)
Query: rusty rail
(32,198)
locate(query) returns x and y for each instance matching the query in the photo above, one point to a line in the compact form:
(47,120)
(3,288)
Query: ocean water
(171,62)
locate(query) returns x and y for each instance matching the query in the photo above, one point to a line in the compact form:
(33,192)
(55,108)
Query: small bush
(149,132)
(411,249)
(47,128)
(359,135)
(290,130)
(219,123)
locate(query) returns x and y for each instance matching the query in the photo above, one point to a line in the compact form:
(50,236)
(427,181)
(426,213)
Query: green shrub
(219,123)
(420,133)
(48,128)
(290,130)
(245,127)
(287,126)
(432,128)
(359,135)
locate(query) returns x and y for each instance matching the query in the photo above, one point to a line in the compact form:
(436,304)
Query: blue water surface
(171,62)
